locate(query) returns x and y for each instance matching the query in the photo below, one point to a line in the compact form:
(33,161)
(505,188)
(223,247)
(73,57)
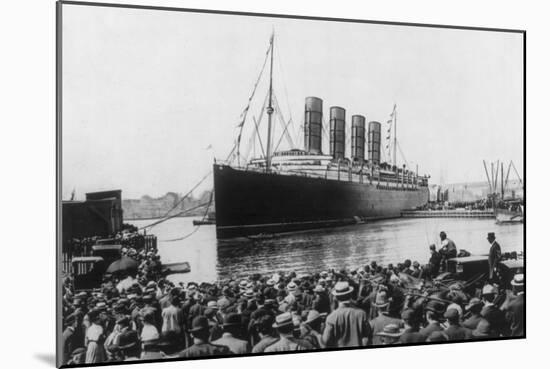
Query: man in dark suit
(492,313)
(495,254)
(434,312)
(200,331)
(411,321)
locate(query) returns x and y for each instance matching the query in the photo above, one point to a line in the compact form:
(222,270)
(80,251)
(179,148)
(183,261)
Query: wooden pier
(448,214)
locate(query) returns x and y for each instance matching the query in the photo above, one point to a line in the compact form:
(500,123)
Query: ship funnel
(313,125)
(358,138)
(374,143)
(337,132)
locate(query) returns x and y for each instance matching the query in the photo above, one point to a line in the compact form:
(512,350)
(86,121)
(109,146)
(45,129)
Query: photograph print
(236,184)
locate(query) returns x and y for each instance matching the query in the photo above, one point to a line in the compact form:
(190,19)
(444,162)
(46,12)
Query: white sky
(145,92)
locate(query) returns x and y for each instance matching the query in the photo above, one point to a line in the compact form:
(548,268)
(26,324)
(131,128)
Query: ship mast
(395,137)
(269,109)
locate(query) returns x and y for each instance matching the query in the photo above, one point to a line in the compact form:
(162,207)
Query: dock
(448,213)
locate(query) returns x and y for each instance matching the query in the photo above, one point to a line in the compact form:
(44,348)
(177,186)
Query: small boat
(509,216)
(175,268)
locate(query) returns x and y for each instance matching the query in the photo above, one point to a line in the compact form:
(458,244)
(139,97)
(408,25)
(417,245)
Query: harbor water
(388,241)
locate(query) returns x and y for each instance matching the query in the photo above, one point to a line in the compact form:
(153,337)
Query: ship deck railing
(450,213)
(341,176)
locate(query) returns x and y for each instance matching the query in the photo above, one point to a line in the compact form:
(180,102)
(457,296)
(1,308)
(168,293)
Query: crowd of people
(138,315)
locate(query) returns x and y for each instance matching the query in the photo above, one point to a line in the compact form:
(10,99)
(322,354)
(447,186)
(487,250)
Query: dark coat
(496,319)
(432,327)
(472,322)
(516,315)
(458,333)
(204,349)
(411,336)
(495,254)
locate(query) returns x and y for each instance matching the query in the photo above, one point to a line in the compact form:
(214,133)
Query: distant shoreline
(158,218)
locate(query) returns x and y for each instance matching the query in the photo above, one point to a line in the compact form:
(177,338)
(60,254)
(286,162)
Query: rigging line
(284,123)
(517,173)
(402,155)
(507,175)
(285,129)
(278,56)
(250,140)
(185,196)
(172,216)
(258,134)
(245,111)
(196,227)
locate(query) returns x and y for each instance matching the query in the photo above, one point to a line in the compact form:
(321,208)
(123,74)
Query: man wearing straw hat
(347,326)
(390,334)
(285,327)
(312,328)
(382,303)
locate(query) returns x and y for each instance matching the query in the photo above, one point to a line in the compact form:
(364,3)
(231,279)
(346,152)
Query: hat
(101,306)
(457,286)
(313,315)
(249,293)
(342,288)
(518,280)
(483,329)
(232,319)
(270,282)
(212,305)
(488,289)
(270,303)
(199,324)
(390,330)
(291,287)
(473,302)
(79,351)
(491,235)
(416,264)
(451,314)
(382,299)
(318,288)
(432,247)
(81,295)
(282,320)
(324,274)
(456,307)
(394,279)
(435,306)
(242,284)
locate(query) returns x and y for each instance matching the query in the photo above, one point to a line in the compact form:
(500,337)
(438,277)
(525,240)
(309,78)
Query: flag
(389,121)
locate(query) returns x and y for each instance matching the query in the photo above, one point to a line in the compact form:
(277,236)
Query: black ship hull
(250,203)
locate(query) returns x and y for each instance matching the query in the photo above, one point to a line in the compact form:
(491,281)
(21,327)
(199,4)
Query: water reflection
(344,247)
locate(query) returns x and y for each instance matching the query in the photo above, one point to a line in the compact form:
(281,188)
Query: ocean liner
(299,189)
